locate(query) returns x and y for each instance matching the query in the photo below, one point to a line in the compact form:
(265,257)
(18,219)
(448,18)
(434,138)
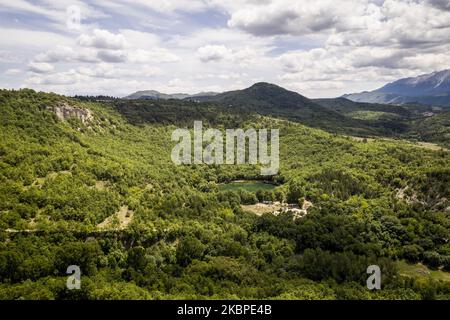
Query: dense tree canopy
(373,202)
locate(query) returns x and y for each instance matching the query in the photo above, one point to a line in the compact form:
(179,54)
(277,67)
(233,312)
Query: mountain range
(339,115)
(153,95)
(429,89)
(269,99)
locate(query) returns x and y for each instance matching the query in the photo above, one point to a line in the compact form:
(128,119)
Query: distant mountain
(153,95)
(262,94)
(432,89)
(269,99)
(436,83)
(204,94)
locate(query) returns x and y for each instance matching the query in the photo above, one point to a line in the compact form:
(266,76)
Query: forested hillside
(338,115)
(410,121)
(271,100)
(91,183)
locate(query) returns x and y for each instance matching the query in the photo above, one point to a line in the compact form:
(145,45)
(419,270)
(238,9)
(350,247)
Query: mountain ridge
(270,99)
(154,94)
(432,88)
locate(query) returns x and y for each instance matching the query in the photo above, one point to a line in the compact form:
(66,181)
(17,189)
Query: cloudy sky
(319,48)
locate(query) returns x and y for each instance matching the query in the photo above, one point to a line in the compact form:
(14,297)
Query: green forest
(101,192)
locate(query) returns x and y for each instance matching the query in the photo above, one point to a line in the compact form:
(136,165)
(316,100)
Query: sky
(319,48)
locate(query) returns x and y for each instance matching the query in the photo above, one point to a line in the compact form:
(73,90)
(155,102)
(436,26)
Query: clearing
(420,144)
(118,221)
(277,207)
(419,270)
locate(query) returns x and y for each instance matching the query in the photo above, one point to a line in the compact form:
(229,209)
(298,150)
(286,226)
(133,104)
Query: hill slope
(62,178)
(418,122)
(269,99)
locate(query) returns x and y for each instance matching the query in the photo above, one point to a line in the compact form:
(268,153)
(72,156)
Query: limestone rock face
(65,111)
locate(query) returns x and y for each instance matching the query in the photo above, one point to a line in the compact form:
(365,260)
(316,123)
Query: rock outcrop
(65,111)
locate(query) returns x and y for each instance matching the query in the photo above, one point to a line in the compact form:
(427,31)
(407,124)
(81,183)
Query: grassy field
(372,115)
(419,270)
(250,186)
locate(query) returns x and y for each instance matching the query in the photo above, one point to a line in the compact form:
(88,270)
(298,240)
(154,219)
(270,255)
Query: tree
(188,249)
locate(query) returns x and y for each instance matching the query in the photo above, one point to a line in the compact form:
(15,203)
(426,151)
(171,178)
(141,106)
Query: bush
(412,252)
(188,249)
(433,259)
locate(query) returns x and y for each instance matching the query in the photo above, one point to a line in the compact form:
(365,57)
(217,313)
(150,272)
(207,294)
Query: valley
(102,192)
(224,155)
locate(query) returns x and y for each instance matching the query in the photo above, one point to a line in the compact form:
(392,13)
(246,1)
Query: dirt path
(120,220)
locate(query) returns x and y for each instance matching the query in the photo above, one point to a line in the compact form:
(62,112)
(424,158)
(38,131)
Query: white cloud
(60,78)
(8,56)
(12,72)
(213,53)
(102,39)
(104,70)
(169,6)
(60,53)
(245,57)
(399,24)
(67,54)
(112,56)
(40,67)
(154,55)
(53,12)
(224,76)
(297,18)
(19,39)
(321,47)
